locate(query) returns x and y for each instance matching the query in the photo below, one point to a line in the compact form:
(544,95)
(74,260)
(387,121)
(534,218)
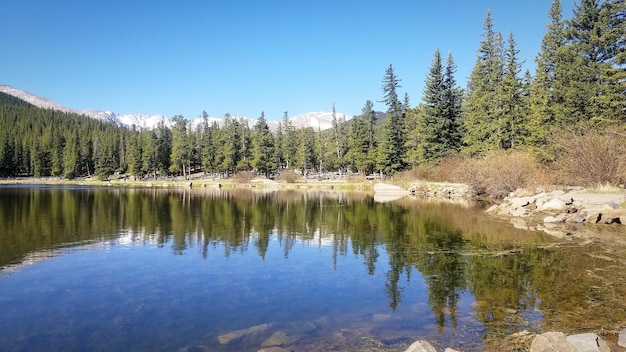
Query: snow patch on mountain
(33,99)
(317,120)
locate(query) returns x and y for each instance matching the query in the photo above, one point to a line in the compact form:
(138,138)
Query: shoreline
(339,185)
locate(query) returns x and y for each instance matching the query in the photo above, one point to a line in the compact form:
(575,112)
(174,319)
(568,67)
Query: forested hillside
(578,87)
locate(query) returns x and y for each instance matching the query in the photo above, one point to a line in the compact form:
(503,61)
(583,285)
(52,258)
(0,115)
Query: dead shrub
(499,173)
(420,172)
(288,176)
(243,176)
(356,178)
(592,158)
(450,169)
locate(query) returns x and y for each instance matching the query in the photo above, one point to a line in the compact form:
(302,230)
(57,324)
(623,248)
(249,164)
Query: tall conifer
(482,108)
(391,149)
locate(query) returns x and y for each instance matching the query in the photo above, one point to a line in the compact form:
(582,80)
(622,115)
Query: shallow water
(163,270)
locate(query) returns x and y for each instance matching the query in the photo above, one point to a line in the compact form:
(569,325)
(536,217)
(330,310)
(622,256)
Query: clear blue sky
(245,56)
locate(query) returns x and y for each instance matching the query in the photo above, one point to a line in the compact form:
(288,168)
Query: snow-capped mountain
(138,121)
(33,99)
(317,120)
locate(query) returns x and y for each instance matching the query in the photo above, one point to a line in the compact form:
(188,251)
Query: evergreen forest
(578,87)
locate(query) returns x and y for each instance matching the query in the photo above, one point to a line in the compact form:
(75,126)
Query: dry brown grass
(495,175)
(243,177)
(501,172)
(288,176)
(356,178)
(592,158)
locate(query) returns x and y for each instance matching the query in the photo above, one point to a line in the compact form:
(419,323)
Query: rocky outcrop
(384,192)
(558,342)
(560,207)
(441,190)
(420,346)
(424,346)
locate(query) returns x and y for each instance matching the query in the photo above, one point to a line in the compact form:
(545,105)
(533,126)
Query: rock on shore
(558,207)
(546,342)
(384,192)
(558,342)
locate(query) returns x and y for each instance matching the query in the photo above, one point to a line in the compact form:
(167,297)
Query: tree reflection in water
(518,279)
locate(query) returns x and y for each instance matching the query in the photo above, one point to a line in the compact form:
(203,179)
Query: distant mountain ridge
(316,120)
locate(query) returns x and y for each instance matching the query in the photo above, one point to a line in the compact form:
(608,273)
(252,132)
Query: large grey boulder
(557,342)
(551,342)
(421,346)
(555,204)
(622,338)
(589,342)
(384,192)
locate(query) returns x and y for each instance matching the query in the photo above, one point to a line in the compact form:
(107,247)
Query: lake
(107,269)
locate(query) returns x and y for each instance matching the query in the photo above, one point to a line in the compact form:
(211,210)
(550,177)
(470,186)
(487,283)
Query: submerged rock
(237,334)
(279,338)
(551,342)
(622,338)
(274,349)
(421,346)
(589,342)
(199,348)
(558,342)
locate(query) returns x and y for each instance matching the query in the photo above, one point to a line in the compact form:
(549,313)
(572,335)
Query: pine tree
(413,142)
(134,149)
(370,124)
(482,108)
(149,152)
(323,150)
(289,142)
(429,128)
(391,149)
(514,110)
(180,156)
(38,159)
(230,144)
(610,100)
(339,140)
(106,154)
(262,147)
(452,107)
(542,102)
(577,70)
(306,154)
(71,156)
(361,142)
(435,125)
(245,152)
(208,145)
(6,155)
(163,148)
(279,158)
(58,143)
(590,78)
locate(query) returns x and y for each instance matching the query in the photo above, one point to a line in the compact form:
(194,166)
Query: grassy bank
(257,183)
